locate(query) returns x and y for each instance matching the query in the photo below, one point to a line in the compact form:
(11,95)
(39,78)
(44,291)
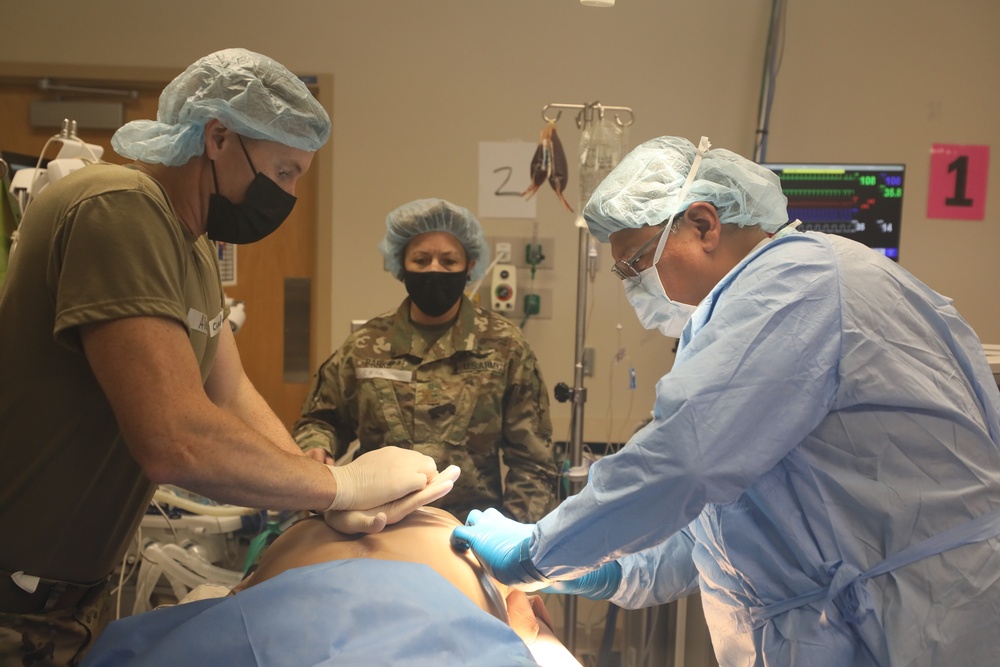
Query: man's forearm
(251,407)
(221,457)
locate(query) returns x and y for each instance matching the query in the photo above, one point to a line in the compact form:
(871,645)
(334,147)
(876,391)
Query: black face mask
(434,292)
(264,207)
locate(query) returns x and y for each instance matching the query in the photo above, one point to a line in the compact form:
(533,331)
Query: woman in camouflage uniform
(440,375)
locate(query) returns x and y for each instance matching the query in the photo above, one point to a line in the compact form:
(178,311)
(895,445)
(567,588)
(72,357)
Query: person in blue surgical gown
(822,462)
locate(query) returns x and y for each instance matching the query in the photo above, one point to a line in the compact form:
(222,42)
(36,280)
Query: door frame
(157,78)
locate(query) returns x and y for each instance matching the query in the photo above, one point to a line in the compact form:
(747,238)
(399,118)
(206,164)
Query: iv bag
(602,146)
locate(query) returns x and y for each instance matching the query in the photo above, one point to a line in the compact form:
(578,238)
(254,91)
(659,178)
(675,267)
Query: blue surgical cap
(433,215)
(248,93)
(644,189)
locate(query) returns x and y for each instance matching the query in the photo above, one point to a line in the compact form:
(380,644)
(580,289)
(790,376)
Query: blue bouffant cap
(433,215)
(645,189)
(248,93)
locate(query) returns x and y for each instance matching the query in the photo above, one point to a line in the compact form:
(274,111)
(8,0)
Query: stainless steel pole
(576,478)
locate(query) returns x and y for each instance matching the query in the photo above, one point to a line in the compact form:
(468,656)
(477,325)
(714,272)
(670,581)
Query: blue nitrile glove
(501,544)
(599,584)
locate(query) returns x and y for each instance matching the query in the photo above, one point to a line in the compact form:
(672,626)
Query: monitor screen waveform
(863,202)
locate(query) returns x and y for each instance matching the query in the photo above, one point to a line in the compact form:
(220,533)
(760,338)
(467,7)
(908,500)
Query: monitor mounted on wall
(863,202)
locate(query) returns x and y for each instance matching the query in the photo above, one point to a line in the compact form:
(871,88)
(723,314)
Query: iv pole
(577,473)
(775,48)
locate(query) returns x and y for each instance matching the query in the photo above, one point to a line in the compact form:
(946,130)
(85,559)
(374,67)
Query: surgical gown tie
(847,588)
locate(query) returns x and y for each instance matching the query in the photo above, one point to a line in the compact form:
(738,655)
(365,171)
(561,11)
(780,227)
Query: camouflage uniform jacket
(473,394)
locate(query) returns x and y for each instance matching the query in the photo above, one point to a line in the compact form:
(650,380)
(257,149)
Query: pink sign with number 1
(958,182)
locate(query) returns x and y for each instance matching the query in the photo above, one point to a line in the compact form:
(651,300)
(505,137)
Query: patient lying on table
(399,597)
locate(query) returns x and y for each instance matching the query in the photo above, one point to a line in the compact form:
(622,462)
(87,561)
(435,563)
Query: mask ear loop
(215,178)
(243,146)
(703,147)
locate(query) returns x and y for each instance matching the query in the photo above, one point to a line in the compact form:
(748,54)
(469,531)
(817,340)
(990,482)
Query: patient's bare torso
(422,537)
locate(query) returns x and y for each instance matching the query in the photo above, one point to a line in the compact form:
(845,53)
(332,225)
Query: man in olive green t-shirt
(120,370)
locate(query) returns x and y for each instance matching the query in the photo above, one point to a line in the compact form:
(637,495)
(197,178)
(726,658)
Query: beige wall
(419,83)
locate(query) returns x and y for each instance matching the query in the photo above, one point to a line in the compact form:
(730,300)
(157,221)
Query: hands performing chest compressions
(131,360)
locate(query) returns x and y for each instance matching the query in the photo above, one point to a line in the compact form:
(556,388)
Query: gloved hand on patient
(375,519)
(501,544)
(379,477)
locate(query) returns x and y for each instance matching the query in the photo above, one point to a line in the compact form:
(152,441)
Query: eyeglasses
(625,269)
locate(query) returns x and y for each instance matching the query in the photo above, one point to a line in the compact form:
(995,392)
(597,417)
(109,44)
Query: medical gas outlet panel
(504,288)
(511,288)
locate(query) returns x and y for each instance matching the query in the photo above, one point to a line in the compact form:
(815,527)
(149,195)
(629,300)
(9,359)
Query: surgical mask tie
(703,147)
(652,306)
(434,292)
(264,207)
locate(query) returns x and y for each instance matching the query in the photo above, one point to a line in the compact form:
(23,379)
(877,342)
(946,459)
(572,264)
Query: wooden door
(262,268)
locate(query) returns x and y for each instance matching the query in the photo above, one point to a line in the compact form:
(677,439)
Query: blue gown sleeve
(660,574)
(758,374)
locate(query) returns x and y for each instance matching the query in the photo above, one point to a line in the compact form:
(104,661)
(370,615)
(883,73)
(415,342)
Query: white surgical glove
(373,520)
(381,476)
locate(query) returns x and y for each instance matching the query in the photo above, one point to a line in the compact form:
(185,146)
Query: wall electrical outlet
(518,252)
(503,253)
